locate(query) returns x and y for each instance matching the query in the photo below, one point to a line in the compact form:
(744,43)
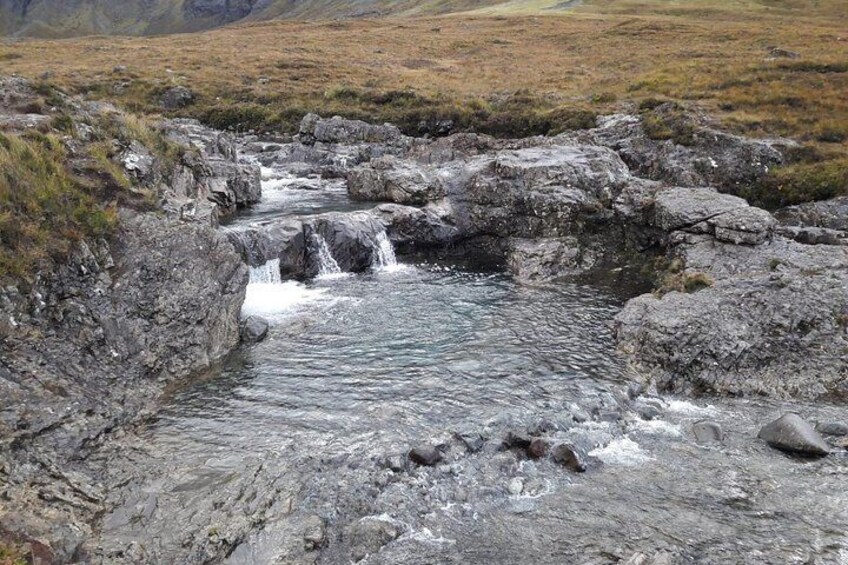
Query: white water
(384,258)
(327,265)
(267,294)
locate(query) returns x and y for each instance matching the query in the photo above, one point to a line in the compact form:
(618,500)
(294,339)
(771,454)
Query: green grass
(800,182)
(44,209)
(11,554)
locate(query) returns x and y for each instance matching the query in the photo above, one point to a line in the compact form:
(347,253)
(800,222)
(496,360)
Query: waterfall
(384,253)
(269,273)
(327,266)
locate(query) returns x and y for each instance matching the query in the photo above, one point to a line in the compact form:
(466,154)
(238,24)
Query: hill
(59,18)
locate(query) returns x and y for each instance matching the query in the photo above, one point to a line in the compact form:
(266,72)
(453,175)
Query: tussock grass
(43,209)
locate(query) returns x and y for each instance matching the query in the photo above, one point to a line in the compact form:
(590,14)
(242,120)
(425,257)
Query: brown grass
(506,73)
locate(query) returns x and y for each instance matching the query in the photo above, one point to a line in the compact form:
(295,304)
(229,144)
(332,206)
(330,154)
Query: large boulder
(791,433)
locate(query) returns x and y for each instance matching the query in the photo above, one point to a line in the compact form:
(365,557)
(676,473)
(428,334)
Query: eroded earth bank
(453,350)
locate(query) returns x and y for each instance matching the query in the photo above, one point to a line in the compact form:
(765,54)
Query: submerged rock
(517,439)
(537,449)
(706,431)
(569,457)
(425,455)
(254,329)
(369,534)
(792,434)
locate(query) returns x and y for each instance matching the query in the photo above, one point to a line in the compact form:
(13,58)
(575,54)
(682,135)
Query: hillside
(56,18)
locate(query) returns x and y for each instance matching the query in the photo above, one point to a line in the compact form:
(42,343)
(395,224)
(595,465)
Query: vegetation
(11,554)
(44,209)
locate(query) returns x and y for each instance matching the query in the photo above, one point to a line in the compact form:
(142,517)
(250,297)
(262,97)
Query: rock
(541,427)
(706,431)
(609,416)
(749,226)
(635,390)
(792,434)
(369,534)
(395,463)
(517,439)
(473,441)
(780,52)
(537,449)
(569,457)
(391,179)
(177,97)
(687,208)
(425,455)
(338,130)
(548,259)
(313,533)
(832,428)
(830,214)
(254,329)
(516,486)
(648,412)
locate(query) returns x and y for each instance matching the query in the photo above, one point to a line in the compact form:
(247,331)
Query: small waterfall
(269,273)
(327,266)
(384,253)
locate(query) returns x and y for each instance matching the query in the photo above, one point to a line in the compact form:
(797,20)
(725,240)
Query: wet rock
(516,486)
(635,390)
(391,179)
(519,439)
(254,329)
(579,415)
(472,441)
(537,449)
(648,411)
(369,534)
(425,455)
(176,97)
(706,431)
(832,428)
(792,434)
(608,416)
(548,259)
(313,533)
(395,463)
(569,457)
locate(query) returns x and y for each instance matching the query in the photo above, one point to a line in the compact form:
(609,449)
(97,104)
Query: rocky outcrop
(767,302)
(88,351)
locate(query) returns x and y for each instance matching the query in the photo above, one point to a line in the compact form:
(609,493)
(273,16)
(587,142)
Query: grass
(510,70)
(44,209)
(11,554)
(51,196)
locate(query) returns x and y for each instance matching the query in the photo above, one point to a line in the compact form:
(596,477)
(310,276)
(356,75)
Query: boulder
(537,449)
(832,428)
(176,97)
(569,457)
(792,434)
(517,439)
(425,455)
(254,329)
(391,179)
(686,208)
(369,534)
(747,225)
(706,431)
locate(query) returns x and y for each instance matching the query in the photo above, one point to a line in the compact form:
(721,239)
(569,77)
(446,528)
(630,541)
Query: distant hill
(68,18)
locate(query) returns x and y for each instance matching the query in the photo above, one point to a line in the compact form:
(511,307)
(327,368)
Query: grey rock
(537,449)
(177,97)
(686,208)
(569,457)
(706,431)
(649,412)
(254,329)
(832,428)
(369,534)
(830,214)
(314,533)
(749,226)
(425,455)
(517,439)
(792,434)
(473,441)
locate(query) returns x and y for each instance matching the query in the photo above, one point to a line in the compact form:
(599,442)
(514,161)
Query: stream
(310,429)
